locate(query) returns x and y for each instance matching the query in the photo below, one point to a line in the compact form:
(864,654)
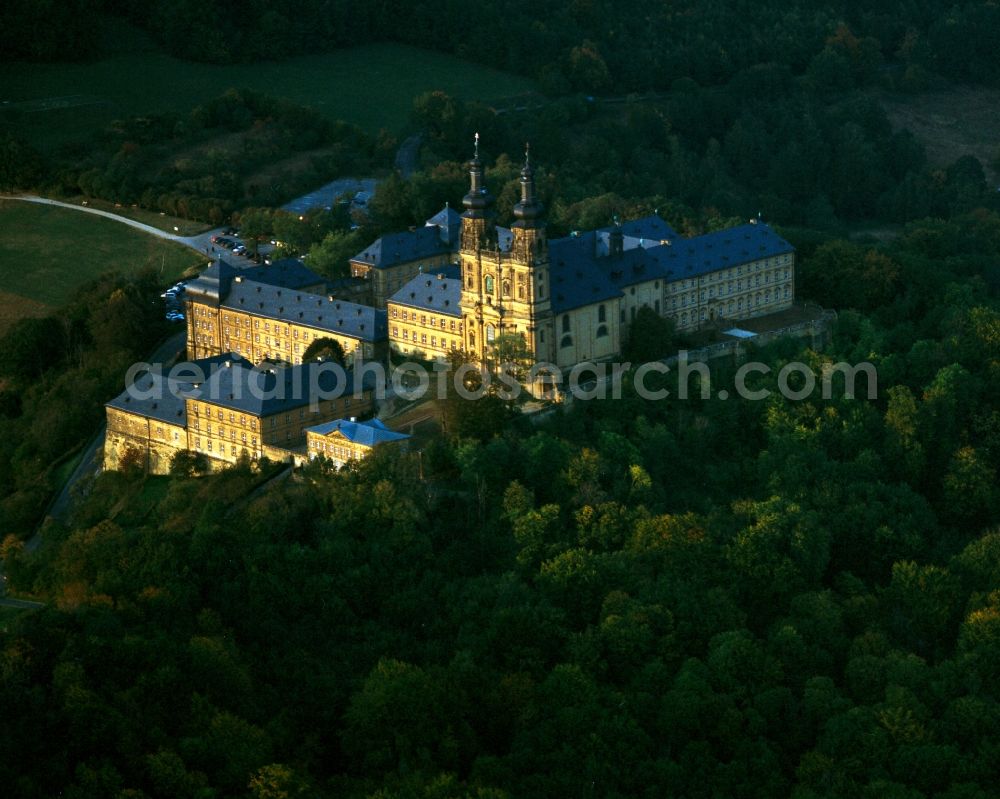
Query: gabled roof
(213,283)
(505,238)
(265,390)
(288,305)
(577,276)
(367,434)
(287,272)
(157,396)
(584,272)
(449,224)
(397,248)
(721,249)
(650,227)
(438,290)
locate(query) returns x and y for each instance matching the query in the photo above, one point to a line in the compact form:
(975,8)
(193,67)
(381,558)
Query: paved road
(202,242)
(22,604)
(90,464)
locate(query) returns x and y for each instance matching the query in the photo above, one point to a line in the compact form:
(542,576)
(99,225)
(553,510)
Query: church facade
(514,293)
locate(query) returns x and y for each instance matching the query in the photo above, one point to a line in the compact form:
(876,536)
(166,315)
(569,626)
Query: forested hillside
(628,598)
(586,45)
(634,598)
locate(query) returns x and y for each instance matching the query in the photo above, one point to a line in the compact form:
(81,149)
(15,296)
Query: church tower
(505,291)
(530,306)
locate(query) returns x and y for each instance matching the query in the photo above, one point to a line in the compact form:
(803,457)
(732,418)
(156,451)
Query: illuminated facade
(572,299)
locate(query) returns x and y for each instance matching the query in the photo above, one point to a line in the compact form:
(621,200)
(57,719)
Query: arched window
(566,341)
(565,324)
(602,314)
(602,331)
(489,284)
(491,334)
(730,306)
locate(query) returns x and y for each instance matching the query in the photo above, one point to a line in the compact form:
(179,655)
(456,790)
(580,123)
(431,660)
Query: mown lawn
(47,253)
(372,86)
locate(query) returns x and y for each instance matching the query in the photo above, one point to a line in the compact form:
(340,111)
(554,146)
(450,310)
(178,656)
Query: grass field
(164,222)
(47,253)
(372,86)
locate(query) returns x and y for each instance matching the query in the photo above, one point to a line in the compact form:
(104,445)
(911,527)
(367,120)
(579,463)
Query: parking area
(173,301)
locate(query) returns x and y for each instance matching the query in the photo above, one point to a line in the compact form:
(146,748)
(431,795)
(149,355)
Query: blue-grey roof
(438,290)
(336,316)
(648,227)
(367,434)
(720,250)
(288,272)
(449,223)
(505,238)
(583,272)
(578,276)
(397,248)
(156,395)
(268,389)
(213,283)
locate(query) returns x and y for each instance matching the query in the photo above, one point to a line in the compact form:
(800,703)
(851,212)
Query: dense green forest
(756,107)
(589,45)
(631,598)
(626,598)
(56,373)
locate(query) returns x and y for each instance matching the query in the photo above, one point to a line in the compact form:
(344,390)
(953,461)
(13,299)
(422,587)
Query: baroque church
(568,300)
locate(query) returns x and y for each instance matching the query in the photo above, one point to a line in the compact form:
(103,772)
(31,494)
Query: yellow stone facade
(205,418)
(224,434)
(340,450)
(573,300)
(744,291)
(154,441)
(387,281)
(280,328)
